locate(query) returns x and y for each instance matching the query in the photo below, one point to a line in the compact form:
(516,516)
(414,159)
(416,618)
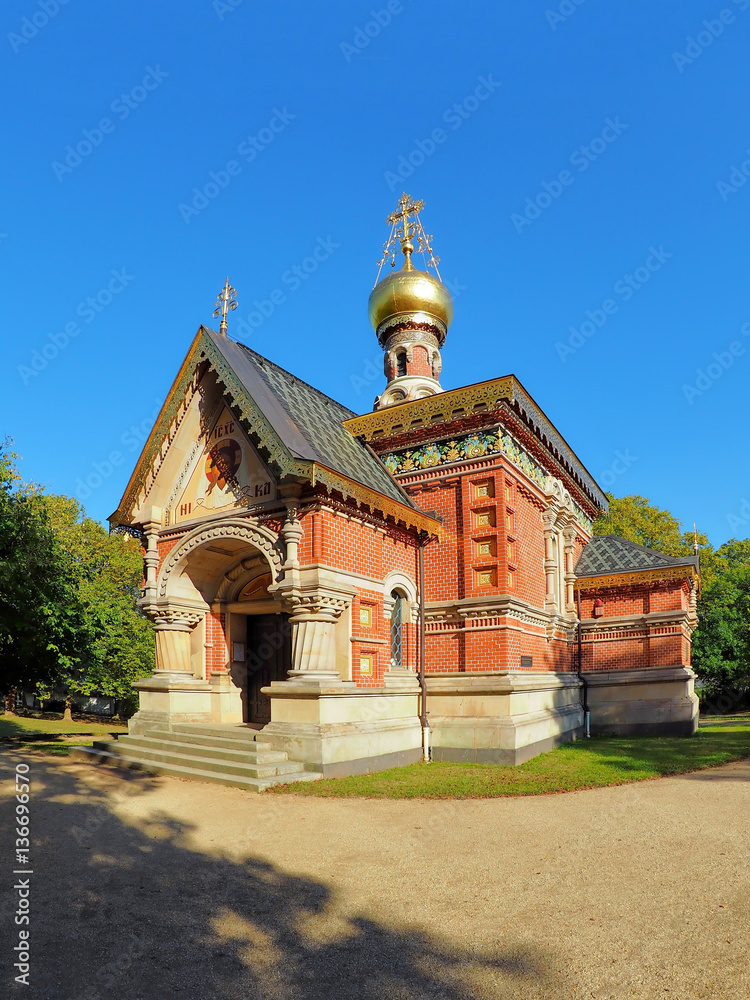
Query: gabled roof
(607,555)
(308,422)
(297,429)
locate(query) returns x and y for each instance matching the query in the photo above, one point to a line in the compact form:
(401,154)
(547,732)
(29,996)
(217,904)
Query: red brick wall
(642,646)
(216,642)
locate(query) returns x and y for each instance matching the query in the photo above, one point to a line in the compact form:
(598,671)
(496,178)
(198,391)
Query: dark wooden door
(269,658)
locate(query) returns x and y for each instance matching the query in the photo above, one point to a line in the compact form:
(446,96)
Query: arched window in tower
(397,630)
(435,366)
(401,363)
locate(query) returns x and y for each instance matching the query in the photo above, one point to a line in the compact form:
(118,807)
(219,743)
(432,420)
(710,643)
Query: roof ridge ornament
(226,301)
(405,223)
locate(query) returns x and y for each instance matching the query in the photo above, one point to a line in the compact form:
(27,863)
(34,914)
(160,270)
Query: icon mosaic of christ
(222,464)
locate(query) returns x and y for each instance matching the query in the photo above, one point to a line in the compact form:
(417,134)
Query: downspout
(581,678)
(422,679)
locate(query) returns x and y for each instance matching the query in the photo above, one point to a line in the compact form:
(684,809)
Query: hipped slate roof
(608,554)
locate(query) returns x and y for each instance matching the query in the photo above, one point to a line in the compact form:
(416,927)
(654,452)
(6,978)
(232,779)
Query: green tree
(40,613)
(721,643)
(634,518)
(119,641)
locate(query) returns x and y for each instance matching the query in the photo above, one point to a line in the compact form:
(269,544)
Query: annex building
(342,587)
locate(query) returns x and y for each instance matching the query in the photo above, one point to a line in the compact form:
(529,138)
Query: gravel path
(155,888)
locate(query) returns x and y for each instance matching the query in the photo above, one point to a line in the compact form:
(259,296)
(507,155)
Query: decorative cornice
(484,396)
(374,501)
(616,580)
(433,409)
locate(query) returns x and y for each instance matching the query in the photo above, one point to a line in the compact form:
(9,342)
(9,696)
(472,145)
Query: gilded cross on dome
(226,301)
(405,223)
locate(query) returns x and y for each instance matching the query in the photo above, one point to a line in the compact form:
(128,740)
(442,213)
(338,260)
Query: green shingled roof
(308,423)
(606,554)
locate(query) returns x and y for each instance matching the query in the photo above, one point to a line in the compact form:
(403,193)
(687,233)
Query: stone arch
(265,541)
(404,585)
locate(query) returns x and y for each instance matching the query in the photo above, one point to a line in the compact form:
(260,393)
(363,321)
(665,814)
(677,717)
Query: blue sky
(586,194)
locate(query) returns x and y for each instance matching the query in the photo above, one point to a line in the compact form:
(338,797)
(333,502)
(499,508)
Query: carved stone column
(569,534)
(293,533)
(173,627)
(313,635)
(549,518)
(151,558)
(172,696)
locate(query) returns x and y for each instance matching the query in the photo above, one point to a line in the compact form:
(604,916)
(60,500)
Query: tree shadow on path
(134,913)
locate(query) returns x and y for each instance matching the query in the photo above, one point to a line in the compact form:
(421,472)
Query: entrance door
(269,658)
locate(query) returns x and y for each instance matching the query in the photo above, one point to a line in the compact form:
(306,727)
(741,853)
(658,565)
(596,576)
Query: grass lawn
(34,732)
(603,760)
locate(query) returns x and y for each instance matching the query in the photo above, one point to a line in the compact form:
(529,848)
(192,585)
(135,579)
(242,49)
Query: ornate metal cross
(226,301)
(403,227)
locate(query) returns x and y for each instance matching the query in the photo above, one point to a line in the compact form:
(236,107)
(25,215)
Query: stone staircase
(226,755)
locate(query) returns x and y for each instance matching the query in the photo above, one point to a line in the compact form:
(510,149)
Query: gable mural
(223,472)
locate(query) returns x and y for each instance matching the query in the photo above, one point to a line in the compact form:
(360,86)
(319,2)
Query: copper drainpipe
(582,679)
(422,679)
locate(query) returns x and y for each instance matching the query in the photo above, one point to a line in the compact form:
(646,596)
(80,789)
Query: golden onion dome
(410,291)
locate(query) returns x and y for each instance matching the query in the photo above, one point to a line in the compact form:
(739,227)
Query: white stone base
(651,701)
(167,700)
(338,729)
(505,718)
(226,700)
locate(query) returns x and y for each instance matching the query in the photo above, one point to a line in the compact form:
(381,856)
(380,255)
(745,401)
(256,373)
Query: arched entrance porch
(206,602)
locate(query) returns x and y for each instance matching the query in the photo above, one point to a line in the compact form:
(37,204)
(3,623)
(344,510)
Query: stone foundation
(167,700)
(338,729)
(649,701)
(504,718)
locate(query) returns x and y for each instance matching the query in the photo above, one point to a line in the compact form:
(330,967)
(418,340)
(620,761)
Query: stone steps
(199,753)
(194,746)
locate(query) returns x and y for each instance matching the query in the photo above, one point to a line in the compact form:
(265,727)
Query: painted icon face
(222,463)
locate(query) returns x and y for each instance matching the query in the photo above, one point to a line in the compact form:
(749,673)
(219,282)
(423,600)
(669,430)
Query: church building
(353,592)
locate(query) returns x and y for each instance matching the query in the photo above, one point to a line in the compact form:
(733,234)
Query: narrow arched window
(401,363)
(397,630)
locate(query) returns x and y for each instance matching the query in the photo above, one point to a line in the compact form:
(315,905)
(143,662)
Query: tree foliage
(68,592)
(634,518)
(40,613)
(721,643)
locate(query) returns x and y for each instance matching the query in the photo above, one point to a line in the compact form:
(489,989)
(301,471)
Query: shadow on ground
(134,913)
